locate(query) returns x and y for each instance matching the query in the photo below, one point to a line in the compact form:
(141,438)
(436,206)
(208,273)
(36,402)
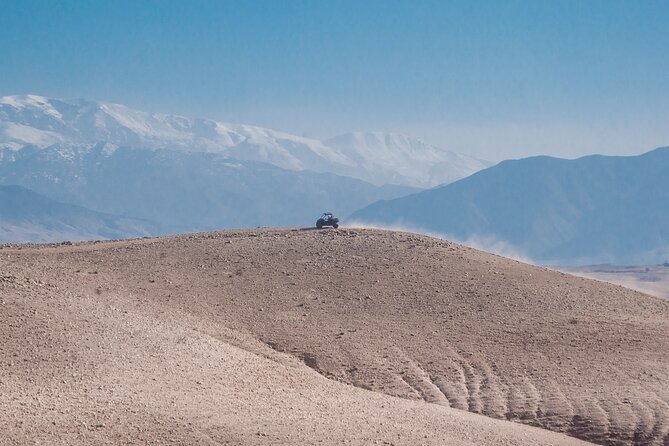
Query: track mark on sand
(523,401)
(590,421)
(421,381)
(554,411)
(454,386)
(492,390)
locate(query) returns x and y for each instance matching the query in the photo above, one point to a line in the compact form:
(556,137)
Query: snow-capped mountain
(43,122)
(393,158)
(374,157)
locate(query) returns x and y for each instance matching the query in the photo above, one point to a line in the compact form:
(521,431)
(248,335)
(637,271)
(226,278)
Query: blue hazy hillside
(29,217)
(594,209)
(186,191)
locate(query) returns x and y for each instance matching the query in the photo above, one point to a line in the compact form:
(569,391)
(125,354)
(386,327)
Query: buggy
(327,219)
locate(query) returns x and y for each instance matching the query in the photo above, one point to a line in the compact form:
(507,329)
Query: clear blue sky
(492,78)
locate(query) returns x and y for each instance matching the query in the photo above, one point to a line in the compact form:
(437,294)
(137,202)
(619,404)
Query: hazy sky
(494,79)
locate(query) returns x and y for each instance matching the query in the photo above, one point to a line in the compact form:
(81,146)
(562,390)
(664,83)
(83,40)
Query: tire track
(523,401)
(419,380)
(492,390)
(661,428)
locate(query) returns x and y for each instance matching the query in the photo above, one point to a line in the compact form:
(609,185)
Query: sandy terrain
(650,279)
(217,338)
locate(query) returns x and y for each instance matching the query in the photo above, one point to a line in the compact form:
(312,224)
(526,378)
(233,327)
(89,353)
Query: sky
(494,79)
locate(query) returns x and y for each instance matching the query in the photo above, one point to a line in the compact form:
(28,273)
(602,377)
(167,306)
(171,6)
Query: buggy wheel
(335,225)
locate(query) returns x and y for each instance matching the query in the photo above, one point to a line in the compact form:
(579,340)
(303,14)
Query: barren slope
(649,279)
(157,339)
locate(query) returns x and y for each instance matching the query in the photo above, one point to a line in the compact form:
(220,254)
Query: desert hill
(211,338)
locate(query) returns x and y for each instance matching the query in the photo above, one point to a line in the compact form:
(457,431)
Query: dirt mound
(207,338)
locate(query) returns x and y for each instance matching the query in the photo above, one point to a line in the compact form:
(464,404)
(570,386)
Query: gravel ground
(335,336)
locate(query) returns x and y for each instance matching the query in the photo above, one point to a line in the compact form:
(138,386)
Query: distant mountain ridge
(373,157)
(394,157)
(185,191)
(29,217)
(596,209)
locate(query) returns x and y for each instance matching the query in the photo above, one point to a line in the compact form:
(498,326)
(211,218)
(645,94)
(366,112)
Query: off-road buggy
(327,219)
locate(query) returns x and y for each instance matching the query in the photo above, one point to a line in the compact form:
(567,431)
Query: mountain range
(183,174)
(595,209)
(182,191)
(134,173)
(377,158)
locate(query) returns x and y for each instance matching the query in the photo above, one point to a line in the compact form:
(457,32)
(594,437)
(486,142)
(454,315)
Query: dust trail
(487,243)
(659,287)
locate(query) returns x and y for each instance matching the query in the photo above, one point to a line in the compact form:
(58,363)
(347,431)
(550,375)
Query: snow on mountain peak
(393,156)
(27,100)
(375,157)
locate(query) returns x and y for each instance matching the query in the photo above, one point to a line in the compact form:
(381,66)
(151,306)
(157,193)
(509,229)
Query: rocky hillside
(183,338)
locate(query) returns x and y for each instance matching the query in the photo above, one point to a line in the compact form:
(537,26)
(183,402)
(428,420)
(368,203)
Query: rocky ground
(334,336)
